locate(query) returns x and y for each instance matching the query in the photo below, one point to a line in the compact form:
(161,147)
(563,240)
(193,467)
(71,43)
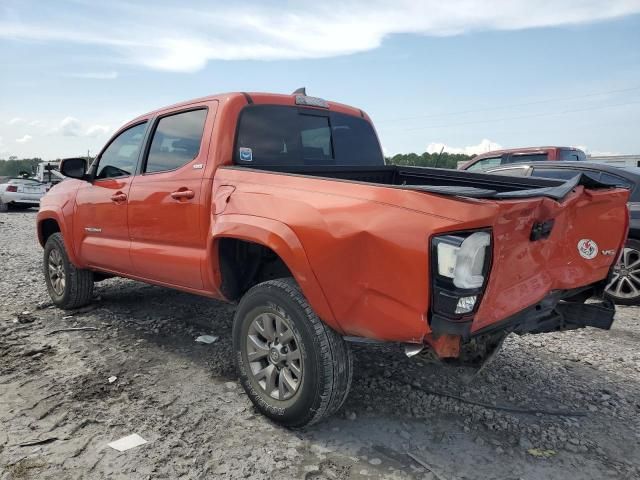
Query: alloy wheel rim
(625,281)
(274,355)
(57,274)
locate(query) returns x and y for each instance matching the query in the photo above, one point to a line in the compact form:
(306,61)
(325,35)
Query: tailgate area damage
(559,310)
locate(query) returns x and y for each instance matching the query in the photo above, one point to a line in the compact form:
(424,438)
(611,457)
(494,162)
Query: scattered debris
(112,379)
(72,329)
(429,468)
(128,442)
(30,352)
(26,317)
(537,452)
(504,408)
(43,441)
(206,339)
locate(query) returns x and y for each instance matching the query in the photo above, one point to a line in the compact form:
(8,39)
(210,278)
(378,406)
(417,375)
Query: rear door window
(527,158)
(281,135)
(176,141)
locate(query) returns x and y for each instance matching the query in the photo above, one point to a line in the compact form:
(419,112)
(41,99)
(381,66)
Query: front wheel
(69,287)
(624,284)
(294,368)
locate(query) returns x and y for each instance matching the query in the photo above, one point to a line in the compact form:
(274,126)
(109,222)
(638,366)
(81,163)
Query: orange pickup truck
(284,204)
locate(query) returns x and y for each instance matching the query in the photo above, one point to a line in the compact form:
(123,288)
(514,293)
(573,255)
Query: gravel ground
(404,418)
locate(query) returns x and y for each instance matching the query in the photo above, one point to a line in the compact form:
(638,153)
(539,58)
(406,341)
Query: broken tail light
(460,266)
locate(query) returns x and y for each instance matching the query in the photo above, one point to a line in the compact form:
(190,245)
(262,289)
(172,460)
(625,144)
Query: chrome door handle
(118,197)
(183,194)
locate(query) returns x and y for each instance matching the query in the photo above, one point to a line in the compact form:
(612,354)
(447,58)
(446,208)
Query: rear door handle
(118,197)
(183,193)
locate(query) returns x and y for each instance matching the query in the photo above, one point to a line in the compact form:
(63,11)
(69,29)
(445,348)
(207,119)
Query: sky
(469,75)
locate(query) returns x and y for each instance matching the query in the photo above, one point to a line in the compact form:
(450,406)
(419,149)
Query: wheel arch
(48,223)
(276,237)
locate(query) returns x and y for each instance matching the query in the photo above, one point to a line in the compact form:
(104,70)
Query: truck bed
(442,181)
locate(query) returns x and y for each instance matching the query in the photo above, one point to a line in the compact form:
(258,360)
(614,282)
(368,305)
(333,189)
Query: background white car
(21,193)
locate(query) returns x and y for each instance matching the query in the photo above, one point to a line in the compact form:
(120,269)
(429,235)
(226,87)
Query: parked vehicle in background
(624,286)
(284,204)
(48,172)
(496,158)
(20,193)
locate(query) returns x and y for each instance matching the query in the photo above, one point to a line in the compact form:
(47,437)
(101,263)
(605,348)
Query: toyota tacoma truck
(284,204)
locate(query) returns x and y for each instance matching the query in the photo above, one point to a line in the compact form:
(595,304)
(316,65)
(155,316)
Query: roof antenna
(300,91)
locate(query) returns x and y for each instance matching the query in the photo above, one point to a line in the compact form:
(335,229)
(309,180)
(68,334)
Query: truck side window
(572,155)
(563,173)
(615,180)
(120,158)
(176,141)
(485,163)
(527,158)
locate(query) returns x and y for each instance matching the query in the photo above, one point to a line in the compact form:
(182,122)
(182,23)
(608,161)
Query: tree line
(444,160)
(13,166)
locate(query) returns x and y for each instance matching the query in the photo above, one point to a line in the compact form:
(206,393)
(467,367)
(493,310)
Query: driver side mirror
(74,167)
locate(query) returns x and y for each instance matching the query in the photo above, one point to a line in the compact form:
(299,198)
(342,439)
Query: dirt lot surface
(404,418)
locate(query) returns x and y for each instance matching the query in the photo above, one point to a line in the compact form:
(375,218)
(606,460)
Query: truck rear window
(281,135)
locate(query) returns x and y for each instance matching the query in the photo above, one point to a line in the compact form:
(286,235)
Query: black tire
(77,289)
(327,364)
(4,207)
(627,296)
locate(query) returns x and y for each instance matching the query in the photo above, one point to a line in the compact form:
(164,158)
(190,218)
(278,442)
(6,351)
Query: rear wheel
(294,368)
(624,284)
(69,287)
(4,207)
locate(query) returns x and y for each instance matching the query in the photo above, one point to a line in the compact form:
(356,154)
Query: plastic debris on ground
(128,442)
(206,339)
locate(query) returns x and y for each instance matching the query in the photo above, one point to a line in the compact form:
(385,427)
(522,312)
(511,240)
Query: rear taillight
(12,188)
(460,266)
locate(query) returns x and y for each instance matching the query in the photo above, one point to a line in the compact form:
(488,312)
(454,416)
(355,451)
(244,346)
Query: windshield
(281,135)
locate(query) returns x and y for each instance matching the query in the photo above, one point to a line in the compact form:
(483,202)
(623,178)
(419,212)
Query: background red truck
(495,158)
(284,204)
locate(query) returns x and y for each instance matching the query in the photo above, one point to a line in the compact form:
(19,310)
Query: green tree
(446,160)
(13,166)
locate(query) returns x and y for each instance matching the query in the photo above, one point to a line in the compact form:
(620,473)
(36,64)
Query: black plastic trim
(248,98)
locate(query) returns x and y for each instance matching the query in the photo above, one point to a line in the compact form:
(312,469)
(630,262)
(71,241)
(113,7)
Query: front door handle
(183,194)
(119,197)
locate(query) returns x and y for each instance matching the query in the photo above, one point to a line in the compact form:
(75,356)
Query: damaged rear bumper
(553,313)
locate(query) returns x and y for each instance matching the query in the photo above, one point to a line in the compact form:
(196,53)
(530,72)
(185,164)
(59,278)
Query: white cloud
(97,130)
(95,75)
(24,139)
(484,146)
(597,153)
(70,127)
(35,123)
(17,121)
(184,38)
